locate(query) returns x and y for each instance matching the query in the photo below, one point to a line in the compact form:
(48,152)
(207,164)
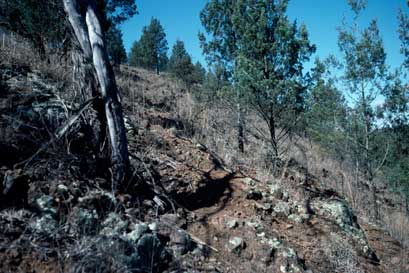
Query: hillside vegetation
(153,163)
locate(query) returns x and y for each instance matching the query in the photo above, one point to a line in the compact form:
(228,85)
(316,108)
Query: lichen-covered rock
(180,242)
(137,232)
(232,223)
(105,201)
(276,191)
(45,204)
(45,225)
(336,210)
(296,218)
(289,262)
(150,254)
(236,245)
(282,209)
(113,225)
(83,221)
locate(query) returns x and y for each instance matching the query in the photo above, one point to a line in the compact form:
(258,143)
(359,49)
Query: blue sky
(180,19)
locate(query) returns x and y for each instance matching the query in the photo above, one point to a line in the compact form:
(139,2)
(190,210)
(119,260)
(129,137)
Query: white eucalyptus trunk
(88,32)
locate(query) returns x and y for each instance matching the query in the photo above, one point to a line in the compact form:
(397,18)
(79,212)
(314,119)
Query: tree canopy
(150,51)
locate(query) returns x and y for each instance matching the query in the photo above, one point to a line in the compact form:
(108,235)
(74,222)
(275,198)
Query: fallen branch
(58,134)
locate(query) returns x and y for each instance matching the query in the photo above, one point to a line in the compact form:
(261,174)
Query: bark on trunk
(89,34)
(240,127)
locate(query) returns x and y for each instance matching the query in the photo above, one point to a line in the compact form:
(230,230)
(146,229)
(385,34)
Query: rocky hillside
(187,211)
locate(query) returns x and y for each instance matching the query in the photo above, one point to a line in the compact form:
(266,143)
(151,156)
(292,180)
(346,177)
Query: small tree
(269,67)
(396,109)
(364,75)
(150,51)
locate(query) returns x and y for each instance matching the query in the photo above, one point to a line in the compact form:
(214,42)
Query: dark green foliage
(115,46)
(40,22)
(116,12)
(199,73)
(215,85)
(180,65)
(269,67)
(396,115)
(43,23)
(364,76)
(150,52)
(404,35)
(327,111)
(216,18)
(264,52)
(364,79)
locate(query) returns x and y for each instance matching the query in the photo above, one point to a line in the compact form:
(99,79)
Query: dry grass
(214,126)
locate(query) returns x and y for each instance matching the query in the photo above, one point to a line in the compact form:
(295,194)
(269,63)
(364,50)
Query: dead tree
(82,15)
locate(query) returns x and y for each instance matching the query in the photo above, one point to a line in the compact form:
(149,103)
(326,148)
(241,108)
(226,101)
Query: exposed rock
(45,204)
(267,206)
(336,210)
(113,225)
(254,195)
(9,179)
(137,232)
(150,255)
(45,225)
(83,221)
(282,209)
(236,245)
(173,219)
(265,254)
(181,242)
(231,224)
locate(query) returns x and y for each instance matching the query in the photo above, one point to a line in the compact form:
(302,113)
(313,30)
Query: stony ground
(190,213)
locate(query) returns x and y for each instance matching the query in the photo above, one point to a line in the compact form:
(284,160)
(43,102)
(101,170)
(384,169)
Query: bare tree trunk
(89,34)
(240,121)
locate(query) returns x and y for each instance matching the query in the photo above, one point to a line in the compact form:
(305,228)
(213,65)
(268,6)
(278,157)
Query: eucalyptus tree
(84,17)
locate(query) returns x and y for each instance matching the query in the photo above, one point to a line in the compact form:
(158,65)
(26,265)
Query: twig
(59,133)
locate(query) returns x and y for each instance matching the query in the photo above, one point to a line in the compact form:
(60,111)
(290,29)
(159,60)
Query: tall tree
(199,73)
(150,51)
(269,67)
(326,114)
(364,75)
(396,108)
(83,17)
(222,48)
(115,46)
(403,31)
(180,62)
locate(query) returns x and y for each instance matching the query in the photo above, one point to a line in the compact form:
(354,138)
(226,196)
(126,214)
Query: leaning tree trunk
(85,23)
